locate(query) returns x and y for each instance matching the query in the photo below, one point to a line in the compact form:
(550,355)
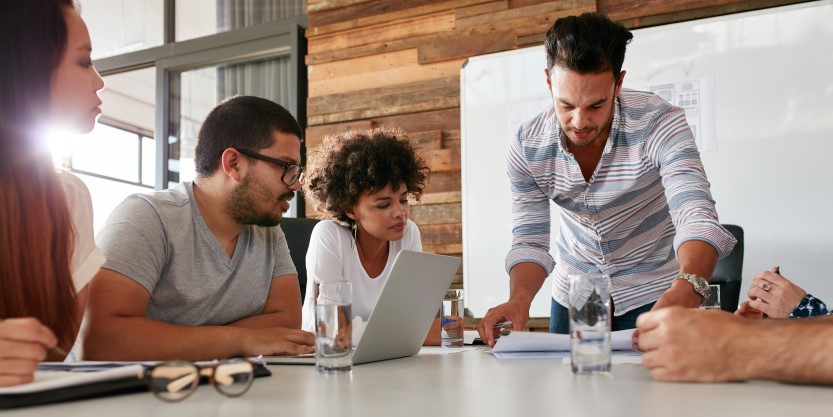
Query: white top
(86,257)
(333,255)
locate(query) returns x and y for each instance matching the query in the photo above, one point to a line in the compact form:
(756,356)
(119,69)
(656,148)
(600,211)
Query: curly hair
(352,162)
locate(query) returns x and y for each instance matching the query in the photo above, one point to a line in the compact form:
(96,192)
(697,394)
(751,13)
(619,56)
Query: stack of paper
(548,345)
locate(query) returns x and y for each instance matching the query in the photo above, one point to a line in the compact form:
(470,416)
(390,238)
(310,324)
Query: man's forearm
(697,257)
(793,351)
(525,279)
(141,339)
(275,319)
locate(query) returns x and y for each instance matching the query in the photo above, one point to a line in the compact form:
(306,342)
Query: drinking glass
(333,326)
(451,320)
(713,302)
(590,321)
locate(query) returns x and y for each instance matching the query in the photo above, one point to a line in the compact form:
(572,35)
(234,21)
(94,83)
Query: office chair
(298,231)
(728,272)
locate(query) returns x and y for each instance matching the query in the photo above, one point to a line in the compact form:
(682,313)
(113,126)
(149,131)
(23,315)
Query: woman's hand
(24,342)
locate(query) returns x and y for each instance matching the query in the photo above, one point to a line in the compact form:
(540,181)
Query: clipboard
(56,385)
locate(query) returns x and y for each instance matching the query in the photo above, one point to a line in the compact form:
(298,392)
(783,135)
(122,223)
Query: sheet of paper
(617,357)
(533,355)
(48,380)
(438,350)
(550,342)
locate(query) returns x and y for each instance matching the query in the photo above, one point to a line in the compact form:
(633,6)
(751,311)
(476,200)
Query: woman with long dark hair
(47,251)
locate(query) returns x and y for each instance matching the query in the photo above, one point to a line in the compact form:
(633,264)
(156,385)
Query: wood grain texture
(436,213)
(398,29)
(441,234)
(334,13)
(315,134)
(442,197)
(403,74)
(640,9)
(484,8)
(702,13)
(433,94)
(454,45)
(443,181)
(370,16)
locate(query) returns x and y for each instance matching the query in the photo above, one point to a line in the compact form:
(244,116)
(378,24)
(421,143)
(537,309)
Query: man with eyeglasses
(199,271)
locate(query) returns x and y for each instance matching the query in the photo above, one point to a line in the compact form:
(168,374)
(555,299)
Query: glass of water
(451,320)
(333,326)
(713,302)
(590,321)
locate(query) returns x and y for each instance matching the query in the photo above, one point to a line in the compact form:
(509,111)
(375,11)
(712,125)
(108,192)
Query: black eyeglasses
(291,172)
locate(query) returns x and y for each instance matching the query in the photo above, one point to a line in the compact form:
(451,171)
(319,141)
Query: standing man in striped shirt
(624,169)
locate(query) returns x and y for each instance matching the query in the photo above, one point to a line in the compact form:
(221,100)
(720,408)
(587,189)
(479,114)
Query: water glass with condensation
(451,319)
(333,326)
(713,302)
(590,322)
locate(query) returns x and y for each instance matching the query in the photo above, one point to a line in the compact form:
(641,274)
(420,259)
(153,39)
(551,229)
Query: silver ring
(766,287)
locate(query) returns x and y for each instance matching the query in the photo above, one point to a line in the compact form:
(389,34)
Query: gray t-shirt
(161,241)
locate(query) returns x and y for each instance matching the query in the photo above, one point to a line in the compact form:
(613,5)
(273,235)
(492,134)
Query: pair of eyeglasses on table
(176,381)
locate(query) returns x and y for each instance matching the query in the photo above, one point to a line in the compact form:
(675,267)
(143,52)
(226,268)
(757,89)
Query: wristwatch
(701,286)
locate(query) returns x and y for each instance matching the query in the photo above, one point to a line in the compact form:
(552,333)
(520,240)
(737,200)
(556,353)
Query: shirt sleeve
(134,241)
(672,148)
(530,212)
(283,260)
(324,263)
(809,307)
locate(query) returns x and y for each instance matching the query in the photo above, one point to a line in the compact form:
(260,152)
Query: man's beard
(243,201)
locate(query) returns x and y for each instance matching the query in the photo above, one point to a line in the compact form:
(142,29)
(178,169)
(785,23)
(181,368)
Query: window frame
(266,40)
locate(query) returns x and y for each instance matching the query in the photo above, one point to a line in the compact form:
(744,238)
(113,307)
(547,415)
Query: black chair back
(298,232)
(728,272)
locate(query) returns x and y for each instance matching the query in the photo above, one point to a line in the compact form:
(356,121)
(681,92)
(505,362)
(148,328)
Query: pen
(58,351)
(505,323)
(777,270)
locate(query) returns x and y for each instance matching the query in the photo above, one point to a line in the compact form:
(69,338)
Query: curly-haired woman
(361,181)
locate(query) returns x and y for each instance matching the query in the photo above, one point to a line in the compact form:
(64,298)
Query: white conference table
(470,383)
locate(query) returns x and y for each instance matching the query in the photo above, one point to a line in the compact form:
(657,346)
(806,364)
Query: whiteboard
(772,171)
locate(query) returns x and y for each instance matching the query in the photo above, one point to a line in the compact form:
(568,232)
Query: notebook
(406,308)
(58,382)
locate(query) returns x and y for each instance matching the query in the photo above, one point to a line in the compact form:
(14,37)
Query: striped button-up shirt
(648,195)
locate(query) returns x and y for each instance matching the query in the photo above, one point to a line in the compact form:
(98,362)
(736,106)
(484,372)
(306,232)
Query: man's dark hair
(587,43)
(244,122)
(352,162)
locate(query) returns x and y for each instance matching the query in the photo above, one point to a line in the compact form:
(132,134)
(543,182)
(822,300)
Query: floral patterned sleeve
(809,307)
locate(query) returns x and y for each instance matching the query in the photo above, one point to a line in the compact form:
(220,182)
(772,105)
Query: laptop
(406,308)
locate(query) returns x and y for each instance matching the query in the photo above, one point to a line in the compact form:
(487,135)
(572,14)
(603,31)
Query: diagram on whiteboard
(696,97)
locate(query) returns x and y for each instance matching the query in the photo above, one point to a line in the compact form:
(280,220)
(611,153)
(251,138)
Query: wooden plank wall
(397,62)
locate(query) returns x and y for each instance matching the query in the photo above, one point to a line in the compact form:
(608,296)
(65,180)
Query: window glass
(202,89)
(119,26)
(196,18)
